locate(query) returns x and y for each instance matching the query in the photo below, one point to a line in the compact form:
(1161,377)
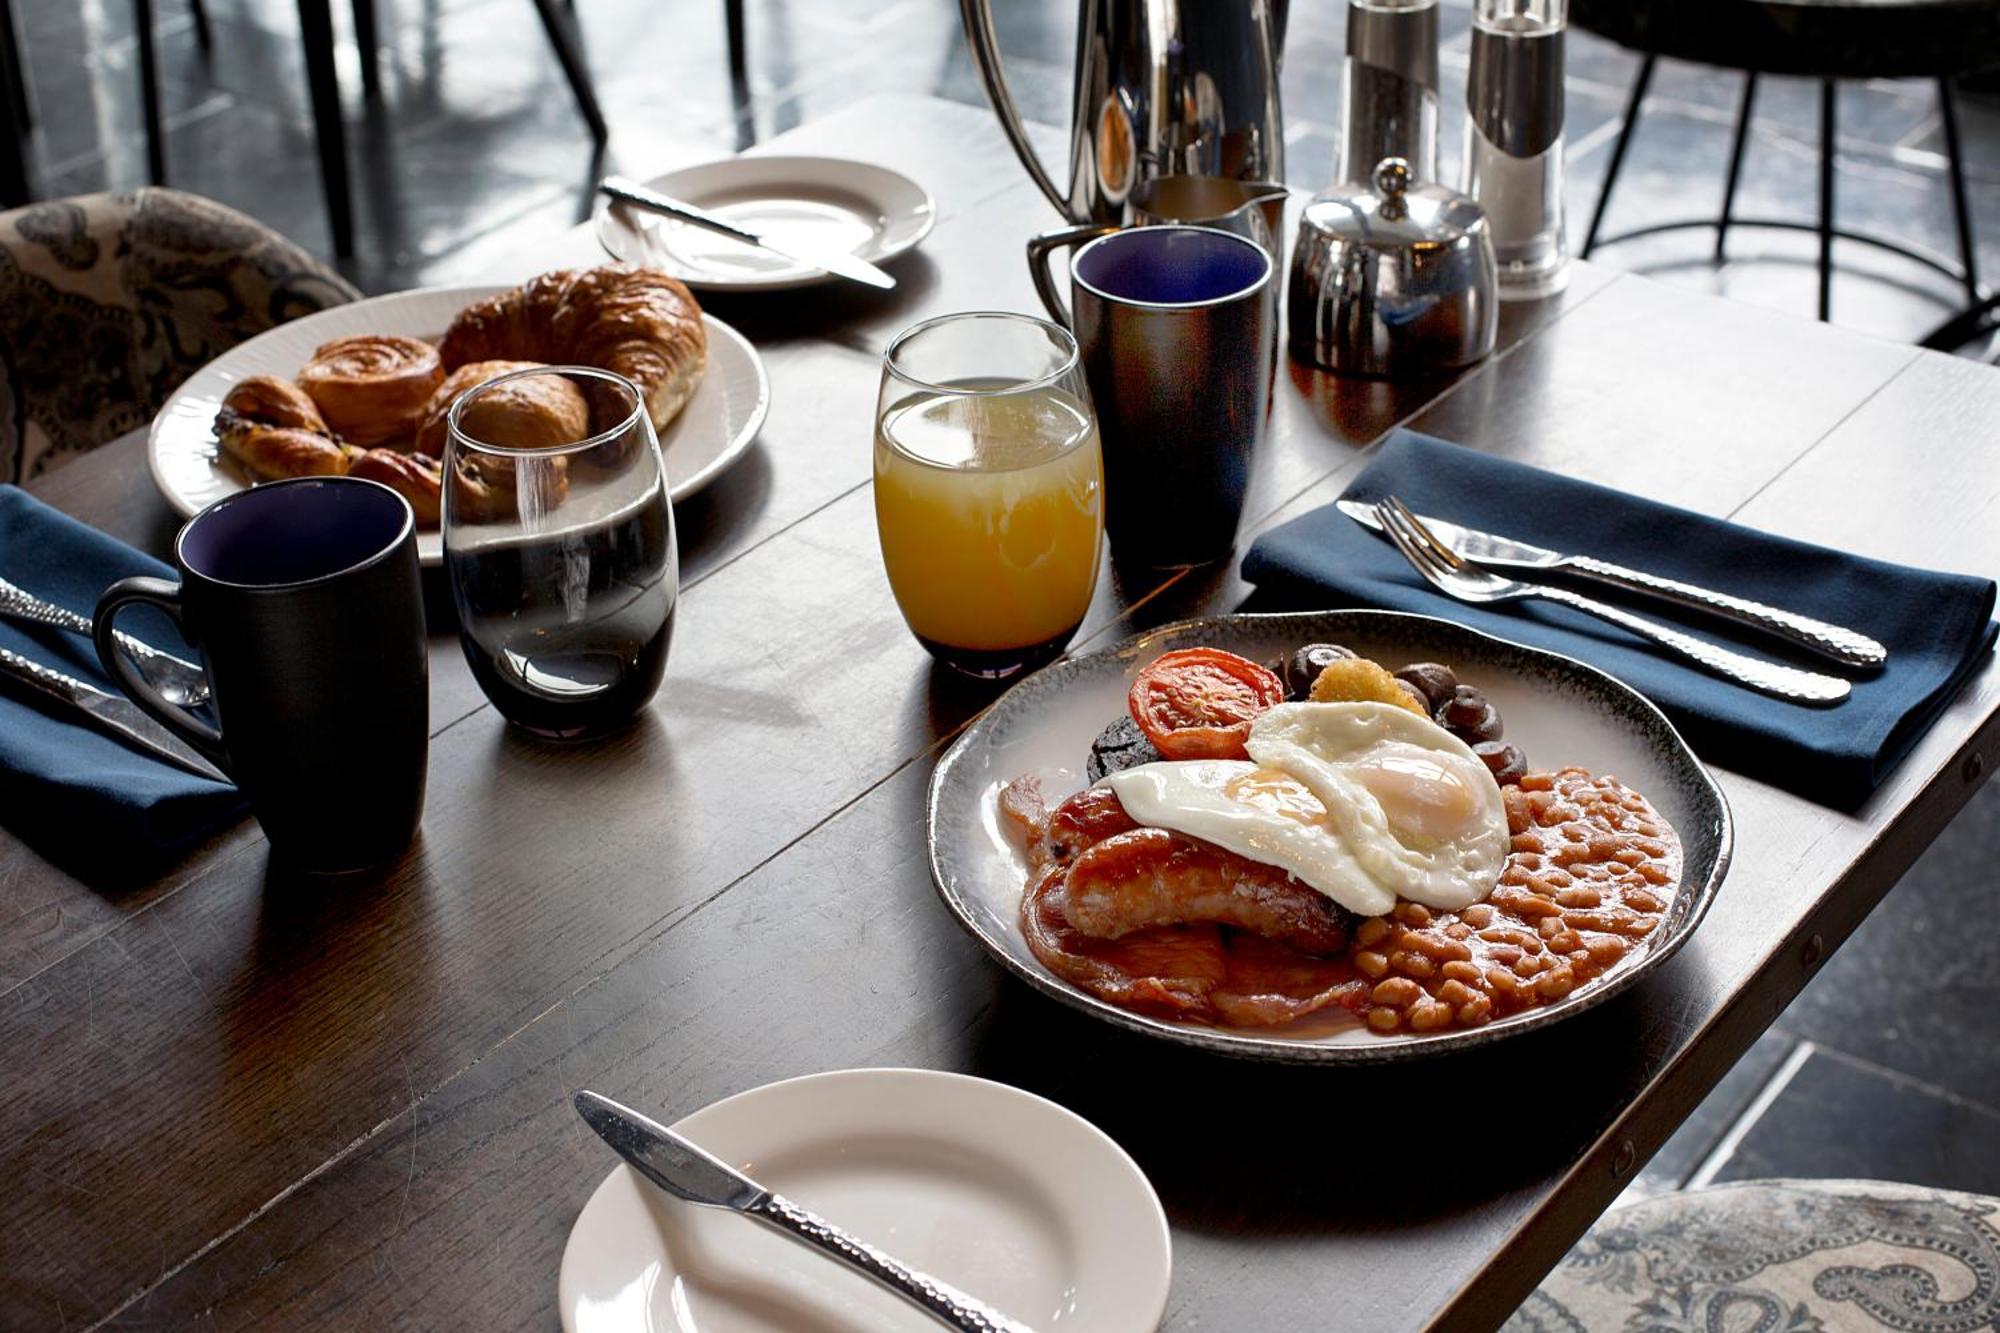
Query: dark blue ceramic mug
(304,600)
(1177,329)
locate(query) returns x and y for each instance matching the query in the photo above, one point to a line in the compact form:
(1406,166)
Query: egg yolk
(1420,796)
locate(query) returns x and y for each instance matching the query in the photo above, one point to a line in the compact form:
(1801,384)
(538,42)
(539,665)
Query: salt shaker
(1391,86)
(1393,279)
(1514,140)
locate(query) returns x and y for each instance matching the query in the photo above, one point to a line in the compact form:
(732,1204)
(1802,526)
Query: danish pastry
(372,388)
(532,412)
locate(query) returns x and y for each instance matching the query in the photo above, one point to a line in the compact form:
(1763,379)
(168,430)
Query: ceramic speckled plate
(712,432)
(1558,710)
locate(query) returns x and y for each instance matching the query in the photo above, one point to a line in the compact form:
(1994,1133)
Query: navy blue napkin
(1938,627)
(74,793)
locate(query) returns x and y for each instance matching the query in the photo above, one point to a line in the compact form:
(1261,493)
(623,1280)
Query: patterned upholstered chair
(109,301)
(1780,1256)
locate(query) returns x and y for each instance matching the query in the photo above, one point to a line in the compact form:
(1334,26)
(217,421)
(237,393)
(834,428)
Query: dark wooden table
(232,1099)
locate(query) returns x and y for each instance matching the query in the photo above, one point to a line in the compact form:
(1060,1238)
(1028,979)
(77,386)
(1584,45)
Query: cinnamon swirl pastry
(373,388)
(532,412)
(639,322)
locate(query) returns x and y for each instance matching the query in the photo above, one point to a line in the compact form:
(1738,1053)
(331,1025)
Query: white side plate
(1002,1194)
(825,202)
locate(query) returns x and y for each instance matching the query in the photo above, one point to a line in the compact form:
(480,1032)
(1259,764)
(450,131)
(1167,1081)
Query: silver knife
(838,262)
(685,1171)
(1486,548)
(178,680)
(117,717)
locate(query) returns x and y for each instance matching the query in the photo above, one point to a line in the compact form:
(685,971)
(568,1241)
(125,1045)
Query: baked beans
(1592,868)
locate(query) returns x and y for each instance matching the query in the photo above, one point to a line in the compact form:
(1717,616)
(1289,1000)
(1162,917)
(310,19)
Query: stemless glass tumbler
(989,489)
(559,539)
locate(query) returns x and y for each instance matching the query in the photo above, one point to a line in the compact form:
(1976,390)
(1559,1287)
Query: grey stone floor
(1888,1065)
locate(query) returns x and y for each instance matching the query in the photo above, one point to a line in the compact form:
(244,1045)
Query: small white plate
(712,431)
(1002,1194)
(827,202)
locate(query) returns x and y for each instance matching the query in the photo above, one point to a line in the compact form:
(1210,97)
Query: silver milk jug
(1163,88)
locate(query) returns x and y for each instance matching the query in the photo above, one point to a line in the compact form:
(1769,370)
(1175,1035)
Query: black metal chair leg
(570,56)
(739,59)
(1639,86)
(149,92)
(1826,156)
(12,74)
(1962,213)
(368,43)
(323,81)
(14,188)
(1736,147)
(204,36)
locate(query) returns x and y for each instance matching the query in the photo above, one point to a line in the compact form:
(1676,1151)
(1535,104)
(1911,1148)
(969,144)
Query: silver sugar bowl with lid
(1395,281)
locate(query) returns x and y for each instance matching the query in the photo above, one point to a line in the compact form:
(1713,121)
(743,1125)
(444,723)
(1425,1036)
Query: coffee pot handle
(1041,247)
(167,597)
(977,16)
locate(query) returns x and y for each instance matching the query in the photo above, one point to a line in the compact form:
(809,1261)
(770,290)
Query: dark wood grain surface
(236,1100)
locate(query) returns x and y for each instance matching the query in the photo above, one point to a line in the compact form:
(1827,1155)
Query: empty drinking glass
(559,539)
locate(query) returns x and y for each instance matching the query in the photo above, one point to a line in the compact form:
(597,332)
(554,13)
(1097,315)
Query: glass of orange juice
(989,489)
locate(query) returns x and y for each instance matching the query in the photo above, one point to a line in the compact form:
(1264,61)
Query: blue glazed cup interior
(291,532)
(1171,266)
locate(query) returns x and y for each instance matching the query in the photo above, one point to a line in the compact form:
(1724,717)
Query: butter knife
(838,262)
(684,1170)
(1485,548)
(117,717)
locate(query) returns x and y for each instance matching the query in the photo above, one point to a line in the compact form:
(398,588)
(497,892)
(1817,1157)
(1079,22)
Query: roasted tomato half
(1197,703)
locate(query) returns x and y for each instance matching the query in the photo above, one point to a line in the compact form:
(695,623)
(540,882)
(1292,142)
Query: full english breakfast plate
(1336,837)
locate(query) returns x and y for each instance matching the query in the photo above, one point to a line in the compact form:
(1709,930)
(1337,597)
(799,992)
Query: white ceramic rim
(857,178)
(1156,1239)
(430,542)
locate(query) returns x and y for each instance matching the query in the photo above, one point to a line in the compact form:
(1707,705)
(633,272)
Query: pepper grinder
(1393,280)
(1514,140)
(1391,85)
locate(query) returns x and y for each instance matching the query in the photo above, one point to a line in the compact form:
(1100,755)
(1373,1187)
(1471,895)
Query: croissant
(412,476)
(373,388)
(639,322)
(531,412)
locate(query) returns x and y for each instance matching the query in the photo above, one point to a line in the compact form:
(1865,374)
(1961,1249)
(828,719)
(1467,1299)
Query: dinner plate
(1008,1197)
(715,428)
(824,202)
(1558,710)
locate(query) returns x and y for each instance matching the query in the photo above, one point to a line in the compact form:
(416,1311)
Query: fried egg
(1365,802)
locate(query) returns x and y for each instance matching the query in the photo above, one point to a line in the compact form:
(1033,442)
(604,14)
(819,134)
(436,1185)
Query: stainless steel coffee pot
(1163,88)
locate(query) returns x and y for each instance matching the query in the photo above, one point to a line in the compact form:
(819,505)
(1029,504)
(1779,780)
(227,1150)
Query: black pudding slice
(1118,747)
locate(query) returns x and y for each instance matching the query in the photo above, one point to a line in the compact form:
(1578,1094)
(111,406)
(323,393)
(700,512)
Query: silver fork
(1457,577)
(180,683)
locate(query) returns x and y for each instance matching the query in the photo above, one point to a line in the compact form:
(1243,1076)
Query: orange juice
(991,514)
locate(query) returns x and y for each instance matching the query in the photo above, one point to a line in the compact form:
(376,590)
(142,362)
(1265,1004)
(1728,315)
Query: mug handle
(1042,246)
(167,597)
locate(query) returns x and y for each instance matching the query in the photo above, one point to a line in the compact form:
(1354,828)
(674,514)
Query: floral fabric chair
(109,301)
(1780,1256)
